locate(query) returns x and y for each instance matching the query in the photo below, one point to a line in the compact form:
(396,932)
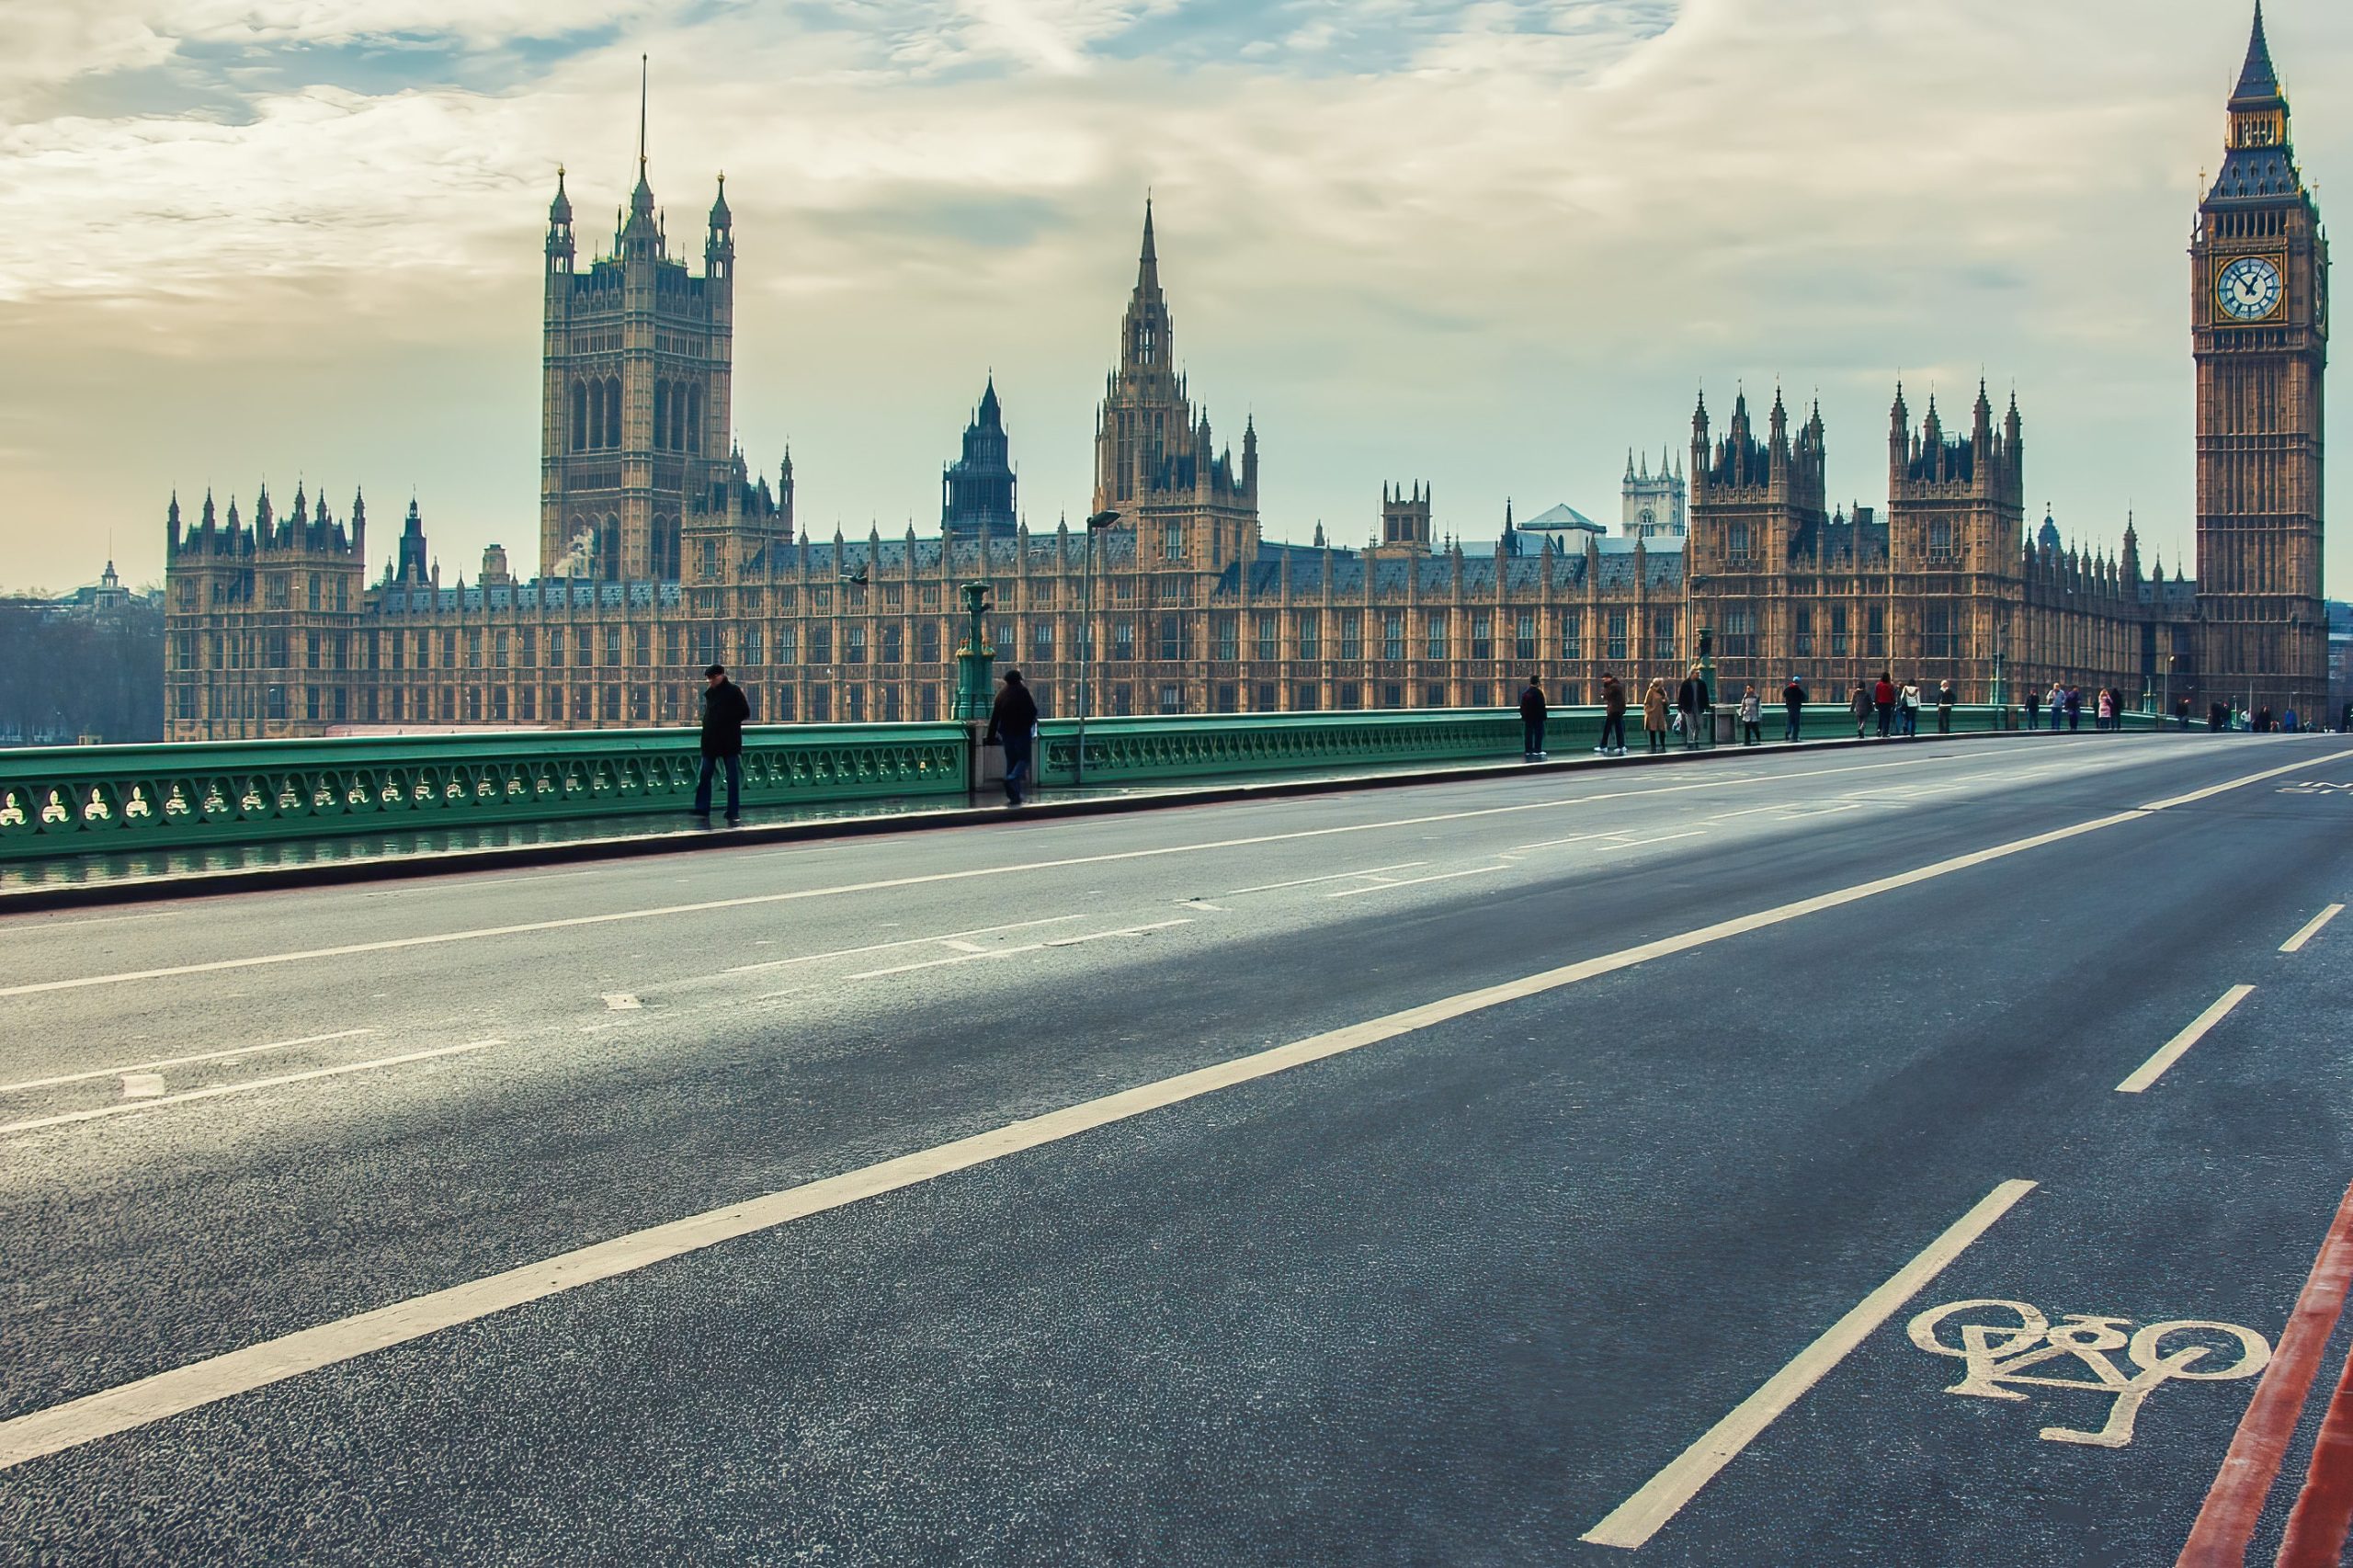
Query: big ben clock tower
(2259,333)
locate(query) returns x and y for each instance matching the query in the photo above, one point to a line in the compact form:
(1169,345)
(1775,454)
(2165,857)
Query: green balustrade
(108,800)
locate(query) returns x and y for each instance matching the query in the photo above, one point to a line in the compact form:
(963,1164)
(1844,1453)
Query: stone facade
(660,554)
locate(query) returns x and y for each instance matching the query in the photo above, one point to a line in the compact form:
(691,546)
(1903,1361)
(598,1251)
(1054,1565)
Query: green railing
(65,800)
(105,800)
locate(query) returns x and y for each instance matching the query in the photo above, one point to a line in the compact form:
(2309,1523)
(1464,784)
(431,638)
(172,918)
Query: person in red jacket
(1883,700)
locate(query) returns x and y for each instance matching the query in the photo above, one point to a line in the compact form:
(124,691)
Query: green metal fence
(104,800)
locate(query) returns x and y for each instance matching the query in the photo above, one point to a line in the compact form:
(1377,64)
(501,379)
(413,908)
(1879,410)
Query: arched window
(609,548)
(612,411)
(694,418)
(661,416)
(578,434)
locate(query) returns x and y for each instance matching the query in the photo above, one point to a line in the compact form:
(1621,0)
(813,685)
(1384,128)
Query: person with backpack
(1613,717)
(1532,713)
(725,710)
(1793,703)
(1013,725)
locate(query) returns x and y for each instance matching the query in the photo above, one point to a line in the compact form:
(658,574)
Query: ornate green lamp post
(975,661)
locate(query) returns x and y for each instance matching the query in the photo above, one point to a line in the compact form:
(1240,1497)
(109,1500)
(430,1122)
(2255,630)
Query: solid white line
(2152,1070)
(178,1061)
(946,963)
(217,1090)
(1638,843)
(1641,1516)
(437,938)
(1331,877)
(1572,838)
(180,1388)
(2214,790)
(2295,944)
(1130,931)
(1418,882)
(948,937)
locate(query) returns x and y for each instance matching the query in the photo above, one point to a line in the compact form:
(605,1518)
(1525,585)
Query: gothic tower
(2260,333)
(634,390)
(976,490)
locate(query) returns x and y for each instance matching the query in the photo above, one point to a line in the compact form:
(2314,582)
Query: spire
(1150,259)
(641,200)
(2258,83)
(560,210)
(721,218)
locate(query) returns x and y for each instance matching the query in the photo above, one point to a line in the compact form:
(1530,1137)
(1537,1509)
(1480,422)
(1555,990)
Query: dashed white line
(1329,876)
(947,937)
(1662,839)
(2295,944)
(217,1090)
(222,1055)
(1418,882)
(2149,1071)
(1104,935)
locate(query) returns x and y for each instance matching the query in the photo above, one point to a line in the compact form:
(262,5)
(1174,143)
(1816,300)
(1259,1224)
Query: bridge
(1839,1152)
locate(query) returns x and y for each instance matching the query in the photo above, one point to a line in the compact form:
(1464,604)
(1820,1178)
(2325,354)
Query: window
(1875,632)
(894,644)
(1941,539)
(555,647)
(310,650)
(927,643)
(1740,631)
(820,644)
(1351,694)
(928,701)
(1268,701)
(750,652)
(1392,695)
(890,703)
(612,645)
(473,650)
(1225,701)
(1304,700)
(1042,641)
(1172,698)
(788,635)
(1172,641)
(1269,643)
(706,646)
(854,644)
(1736,539)
(1392,639)
(314,590)
(1524,641)
(1616,642)
(1436,697)
(1437,635)
(1308,630)
(1123,639)
(1662,635)
(1936,633)
(1803,637)
(1229,643)
(1837,632)
(854,704)
(1483,634)
(1351,634)
(821,705)
(1571,635)
(1172,548)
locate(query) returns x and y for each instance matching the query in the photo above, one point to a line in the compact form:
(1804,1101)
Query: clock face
(2248,289)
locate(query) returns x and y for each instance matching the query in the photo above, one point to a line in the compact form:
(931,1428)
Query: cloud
(1490,245)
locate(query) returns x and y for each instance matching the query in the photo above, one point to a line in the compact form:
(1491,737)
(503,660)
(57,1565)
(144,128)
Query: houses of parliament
(661,549)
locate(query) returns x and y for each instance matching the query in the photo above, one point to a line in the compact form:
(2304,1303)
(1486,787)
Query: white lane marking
(1641,1516)
(1102,936)
(622,1002)
(1662,839)
(438,938)
(141,1086)
(1328,877)
(947,937)
(217,1090)
(2149,1071)
(1385,884)
(2214,790)
(38,926)
(946,963)
(1751,811)
(1204,904)
(1574,838)
(168,1394)
(223,1056)
(964,946)
(2295,944)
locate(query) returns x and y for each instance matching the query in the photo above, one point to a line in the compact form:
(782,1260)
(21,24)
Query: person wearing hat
(725,710)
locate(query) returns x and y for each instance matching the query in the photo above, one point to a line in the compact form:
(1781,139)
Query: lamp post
(1094,525)
(2166,712)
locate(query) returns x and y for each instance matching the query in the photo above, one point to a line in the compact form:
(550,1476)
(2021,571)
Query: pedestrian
(2106,709)
(1531,721)
(1654,713)
(1859,704)
(2074,709)
(1013,725)
(1691,703)
(2263,719)
(2287,720)
(1613,717)
(2218,717)
(1944,706)
(2033,709)
(2181,713)
(1752,716)
(1883,696)
(1793,702)
(1910,699)
(724,711)
(2057,701)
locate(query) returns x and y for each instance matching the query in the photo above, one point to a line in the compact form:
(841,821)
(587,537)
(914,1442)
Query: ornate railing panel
(105,800)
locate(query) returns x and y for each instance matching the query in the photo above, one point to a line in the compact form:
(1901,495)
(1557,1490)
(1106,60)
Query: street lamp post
(1094,525)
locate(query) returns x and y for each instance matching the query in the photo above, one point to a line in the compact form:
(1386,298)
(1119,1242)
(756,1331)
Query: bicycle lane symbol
(2001,1356)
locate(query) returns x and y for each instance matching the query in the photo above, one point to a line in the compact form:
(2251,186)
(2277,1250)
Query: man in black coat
(1793,698)
(1012,723)
(1691,699)
(725,710)
(1532,713)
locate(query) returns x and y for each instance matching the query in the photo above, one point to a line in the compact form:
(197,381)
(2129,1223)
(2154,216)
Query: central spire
(2258,83)
(641,201)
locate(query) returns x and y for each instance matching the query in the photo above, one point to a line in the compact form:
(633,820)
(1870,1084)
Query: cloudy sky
(1490,246)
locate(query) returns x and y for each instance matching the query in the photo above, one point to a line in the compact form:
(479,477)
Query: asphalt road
(1613,1092)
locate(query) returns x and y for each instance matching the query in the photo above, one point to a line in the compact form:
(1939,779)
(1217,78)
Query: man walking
(725,710)
(1013,725)
(1531,721)
(1793,701)
(1613,717)
(1691,703)
(2034,708)
(1883,703)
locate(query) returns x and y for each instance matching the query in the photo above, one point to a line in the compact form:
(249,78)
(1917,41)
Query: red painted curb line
(2324,1511)
(2234,1503)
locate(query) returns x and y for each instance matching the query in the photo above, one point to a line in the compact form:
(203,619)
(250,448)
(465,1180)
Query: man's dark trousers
(1017,766)
(1613,731)
(735,766)
(1532,731)
(1792,732)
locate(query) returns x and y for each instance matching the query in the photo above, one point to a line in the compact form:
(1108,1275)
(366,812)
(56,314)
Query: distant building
(977,491)
(1651,505)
